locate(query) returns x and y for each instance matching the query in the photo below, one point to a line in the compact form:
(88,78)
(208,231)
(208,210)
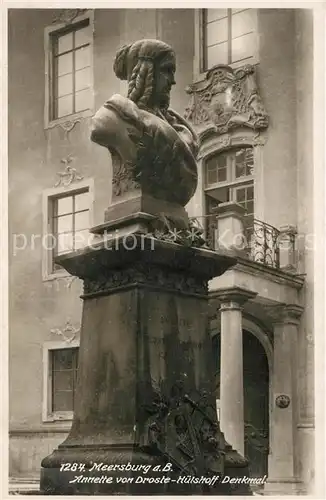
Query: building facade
(245,82)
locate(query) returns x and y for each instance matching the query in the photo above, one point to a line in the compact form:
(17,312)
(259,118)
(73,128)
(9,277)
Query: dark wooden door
(256,412)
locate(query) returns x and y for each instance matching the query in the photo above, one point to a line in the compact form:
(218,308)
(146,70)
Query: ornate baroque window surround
(49,32)
(199,73)
(47,414)
(49,195)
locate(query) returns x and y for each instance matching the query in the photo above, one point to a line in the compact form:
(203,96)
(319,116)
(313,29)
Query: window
(64,364)
(60,378)
(70,222)
(69,75)
(229,36)
(244,195)
(67,216)
(229,166)
(229,176)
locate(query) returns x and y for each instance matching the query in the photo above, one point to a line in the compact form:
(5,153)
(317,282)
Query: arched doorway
(256,400)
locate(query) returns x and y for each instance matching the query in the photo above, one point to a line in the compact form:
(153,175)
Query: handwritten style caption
(144,470)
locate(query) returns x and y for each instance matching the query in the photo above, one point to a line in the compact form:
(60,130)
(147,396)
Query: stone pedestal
(230,227)
(231,376)
(282,467)
(145,409)
(286,243)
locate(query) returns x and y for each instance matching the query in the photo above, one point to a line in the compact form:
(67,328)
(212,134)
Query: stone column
(231,377)
(230,227)
(282,467)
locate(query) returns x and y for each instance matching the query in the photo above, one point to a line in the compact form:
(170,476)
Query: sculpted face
(164,79)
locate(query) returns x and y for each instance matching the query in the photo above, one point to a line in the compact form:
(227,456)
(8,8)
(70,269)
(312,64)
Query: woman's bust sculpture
(153,147)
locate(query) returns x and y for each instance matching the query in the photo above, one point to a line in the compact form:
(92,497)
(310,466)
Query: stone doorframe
(257,331)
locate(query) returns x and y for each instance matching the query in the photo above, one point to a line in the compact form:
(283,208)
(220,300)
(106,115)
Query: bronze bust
(153,148)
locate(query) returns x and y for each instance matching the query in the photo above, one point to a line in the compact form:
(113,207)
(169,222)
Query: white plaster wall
(304,140)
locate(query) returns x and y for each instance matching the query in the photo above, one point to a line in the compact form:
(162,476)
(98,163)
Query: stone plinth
(286,242)
(230,227)
(144,390)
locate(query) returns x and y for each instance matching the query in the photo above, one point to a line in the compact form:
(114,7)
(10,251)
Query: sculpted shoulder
(109,127)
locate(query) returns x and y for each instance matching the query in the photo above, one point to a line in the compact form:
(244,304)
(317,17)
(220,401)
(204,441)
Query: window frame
(199,59)
(49,33)
(232,180)
(47,414)
(235,183)
(47,210)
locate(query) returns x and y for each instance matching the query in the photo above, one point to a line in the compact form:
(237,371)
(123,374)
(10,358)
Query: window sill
(59,417)
(69,121)
(58,275)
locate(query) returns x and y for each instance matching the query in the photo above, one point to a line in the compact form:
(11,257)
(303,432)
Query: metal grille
(263,243)
(262,239)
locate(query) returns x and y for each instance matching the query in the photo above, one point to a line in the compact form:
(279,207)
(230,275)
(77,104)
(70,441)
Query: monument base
(145,420)
(129,470)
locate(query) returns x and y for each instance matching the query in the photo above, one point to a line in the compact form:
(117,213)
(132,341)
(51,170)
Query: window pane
(81,201)
(63,380)
(250,193)
(217,32)
(240,195)
(64,205)
(64,243)
(82,58)
(82,100)
(62,401)
(64,224)
(211,163)
(221,161)
(222,175)
(211,177)
(64,63)
(243,47)
(64,105)
(82,36)
(218,54)
(244,162)
(242,23)
(250,207)
(82,79)
(213,14)
(82,239)
(82,220)
(240,170)
(64,43)
(63,359)
(65,85)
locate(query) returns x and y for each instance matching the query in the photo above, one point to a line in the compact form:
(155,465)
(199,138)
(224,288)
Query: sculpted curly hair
(136,63)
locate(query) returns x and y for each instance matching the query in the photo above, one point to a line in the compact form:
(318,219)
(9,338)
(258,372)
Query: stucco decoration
(282,401)
(69,175)
(68,125)
(227,99)
(68,332)
(145,274)
(67,16)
